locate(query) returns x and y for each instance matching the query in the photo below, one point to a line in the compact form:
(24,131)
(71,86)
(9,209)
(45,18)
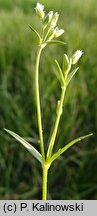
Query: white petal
(40,6)
(58,32)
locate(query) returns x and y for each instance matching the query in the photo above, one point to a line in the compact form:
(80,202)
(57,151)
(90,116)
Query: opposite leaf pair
(36,154)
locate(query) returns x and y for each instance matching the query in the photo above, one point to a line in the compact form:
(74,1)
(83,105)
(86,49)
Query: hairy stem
(38,103)
(53,137)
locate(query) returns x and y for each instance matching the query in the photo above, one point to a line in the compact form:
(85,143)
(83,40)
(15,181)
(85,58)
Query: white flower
(40,10)
(76,56)
(58,32)
(54,20)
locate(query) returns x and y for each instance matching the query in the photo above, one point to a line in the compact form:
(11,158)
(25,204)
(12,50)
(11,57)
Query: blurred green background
(74,175)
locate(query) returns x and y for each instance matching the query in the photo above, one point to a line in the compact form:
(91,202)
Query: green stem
(38,104)
(47,34)
(44,186)
(53,137)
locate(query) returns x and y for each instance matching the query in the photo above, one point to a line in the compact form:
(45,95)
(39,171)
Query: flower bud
(58,32)
(48,18)
(40,10)
(54,20)
(76,56)
(50,14)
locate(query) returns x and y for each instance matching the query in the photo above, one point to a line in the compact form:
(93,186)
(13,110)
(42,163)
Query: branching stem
(53,137)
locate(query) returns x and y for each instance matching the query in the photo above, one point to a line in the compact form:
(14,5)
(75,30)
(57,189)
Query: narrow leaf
(65,62)
(30,139)
(30,148)
(60,73)
(60,151)
(57,74)
(56,42)
(70,76)
(37,34)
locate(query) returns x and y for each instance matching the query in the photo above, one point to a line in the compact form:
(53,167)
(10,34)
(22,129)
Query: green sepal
(29,147)
(67,146)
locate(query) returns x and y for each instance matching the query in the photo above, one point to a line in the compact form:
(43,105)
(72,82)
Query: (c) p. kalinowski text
(51,207)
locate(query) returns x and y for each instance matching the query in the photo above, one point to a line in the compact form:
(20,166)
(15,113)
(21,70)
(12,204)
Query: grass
(17,107)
